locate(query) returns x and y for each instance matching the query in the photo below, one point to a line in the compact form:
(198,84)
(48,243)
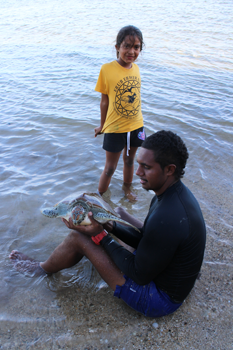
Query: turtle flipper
(102,218)
(126,223)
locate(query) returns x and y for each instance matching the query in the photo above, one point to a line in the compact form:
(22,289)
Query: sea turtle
(77,207)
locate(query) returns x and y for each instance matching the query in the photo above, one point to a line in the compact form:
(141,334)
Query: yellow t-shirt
(122,86)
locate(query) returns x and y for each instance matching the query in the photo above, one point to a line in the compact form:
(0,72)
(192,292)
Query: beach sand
(83,317)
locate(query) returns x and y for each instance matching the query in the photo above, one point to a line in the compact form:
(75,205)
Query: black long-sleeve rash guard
(170,246)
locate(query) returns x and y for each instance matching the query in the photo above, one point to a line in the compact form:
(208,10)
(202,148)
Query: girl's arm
(103,113)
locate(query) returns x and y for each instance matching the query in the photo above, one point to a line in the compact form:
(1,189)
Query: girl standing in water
(121,122)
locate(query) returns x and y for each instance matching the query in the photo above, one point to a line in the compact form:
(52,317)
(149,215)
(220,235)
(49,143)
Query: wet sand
(50,60)
(84,317)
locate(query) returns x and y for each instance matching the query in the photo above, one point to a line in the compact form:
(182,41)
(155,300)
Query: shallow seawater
(50,56)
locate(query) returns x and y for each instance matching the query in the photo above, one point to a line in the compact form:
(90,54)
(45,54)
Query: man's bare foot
(130,195)
(25,264)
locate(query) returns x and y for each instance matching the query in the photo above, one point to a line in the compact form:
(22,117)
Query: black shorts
(116,142)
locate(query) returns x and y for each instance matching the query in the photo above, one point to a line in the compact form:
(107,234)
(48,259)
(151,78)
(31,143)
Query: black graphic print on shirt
(127,99)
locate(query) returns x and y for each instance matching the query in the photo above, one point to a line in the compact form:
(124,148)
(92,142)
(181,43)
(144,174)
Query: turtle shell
(93,200)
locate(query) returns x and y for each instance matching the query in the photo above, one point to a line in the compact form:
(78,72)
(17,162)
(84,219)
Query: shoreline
(50,315)
(83,318)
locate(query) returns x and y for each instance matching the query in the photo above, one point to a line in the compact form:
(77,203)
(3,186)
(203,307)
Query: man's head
(168,149)
(162,159)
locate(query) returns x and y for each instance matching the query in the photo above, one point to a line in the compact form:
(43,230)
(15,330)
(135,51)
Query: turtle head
(53,212)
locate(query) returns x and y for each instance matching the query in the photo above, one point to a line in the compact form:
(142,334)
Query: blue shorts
(147,299)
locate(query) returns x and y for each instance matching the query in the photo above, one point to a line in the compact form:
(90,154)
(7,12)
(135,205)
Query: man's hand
(108,226)
(91,230)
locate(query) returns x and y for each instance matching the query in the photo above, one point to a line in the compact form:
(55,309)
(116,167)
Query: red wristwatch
(96,239)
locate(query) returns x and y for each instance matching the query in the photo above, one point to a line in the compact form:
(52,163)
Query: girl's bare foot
(130,195)
(25,264)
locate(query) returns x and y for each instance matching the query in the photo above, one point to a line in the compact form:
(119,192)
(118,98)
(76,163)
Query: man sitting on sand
(158,275)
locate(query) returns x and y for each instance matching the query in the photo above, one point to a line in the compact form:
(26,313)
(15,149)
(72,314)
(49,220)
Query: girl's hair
(132,32)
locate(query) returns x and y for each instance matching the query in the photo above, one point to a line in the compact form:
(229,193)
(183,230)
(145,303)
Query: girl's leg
(128,172)
(110,166)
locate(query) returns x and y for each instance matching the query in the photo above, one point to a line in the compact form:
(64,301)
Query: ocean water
(50,56)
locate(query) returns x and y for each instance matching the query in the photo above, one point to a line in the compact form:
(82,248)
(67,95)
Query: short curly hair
(168,148)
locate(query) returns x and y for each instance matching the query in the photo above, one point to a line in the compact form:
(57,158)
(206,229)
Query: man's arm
(154,252)
(127,234)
